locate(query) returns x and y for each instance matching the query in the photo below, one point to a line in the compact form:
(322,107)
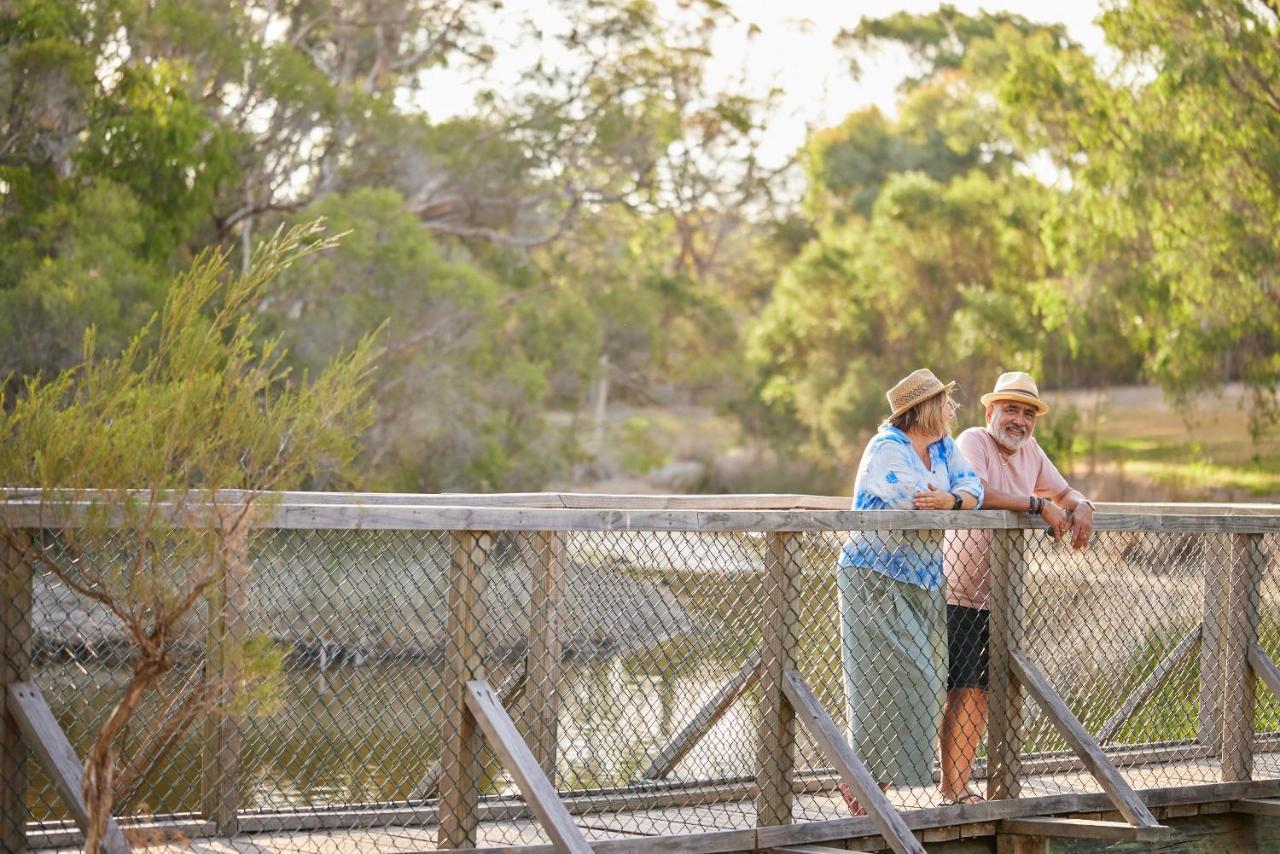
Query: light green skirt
(893,648)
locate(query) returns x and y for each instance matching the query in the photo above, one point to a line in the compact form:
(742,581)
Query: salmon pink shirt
(966,556)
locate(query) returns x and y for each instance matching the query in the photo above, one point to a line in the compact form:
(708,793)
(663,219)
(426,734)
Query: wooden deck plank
(1079,828)
(730,826)
(1257,806)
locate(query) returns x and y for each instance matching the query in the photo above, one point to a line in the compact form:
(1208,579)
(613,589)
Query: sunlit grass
(1206,453)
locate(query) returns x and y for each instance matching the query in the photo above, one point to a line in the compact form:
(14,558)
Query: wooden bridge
(627,673)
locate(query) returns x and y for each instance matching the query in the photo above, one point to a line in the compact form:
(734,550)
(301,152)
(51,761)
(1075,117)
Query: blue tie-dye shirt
(889,476)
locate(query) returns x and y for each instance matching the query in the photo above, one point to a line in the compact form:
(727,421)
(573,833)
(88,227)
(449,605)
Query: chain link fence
(318,702)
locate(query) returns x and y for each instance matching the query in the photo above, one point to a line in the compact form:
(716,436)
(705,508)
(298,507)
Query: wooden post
(775,761)
(1239,687)
(1004,740)
(460,740)
(15,666)
(1214,627)
(541,716)
(1013,843)
(227,599)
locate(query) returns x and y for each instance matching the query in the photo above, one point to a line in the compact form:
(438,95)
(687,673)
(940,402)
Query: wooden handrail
(27,514)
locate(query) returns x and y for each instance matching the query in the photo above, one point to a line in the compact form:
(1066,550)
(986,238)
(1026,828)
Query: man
(1016,475)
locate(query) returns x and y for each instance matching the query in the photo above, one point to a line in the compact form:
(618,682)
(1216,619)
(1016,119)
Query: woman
(892,605)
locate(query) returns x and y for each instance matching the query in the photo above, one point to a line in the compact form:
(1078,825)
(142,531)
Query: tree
(458,403)
(1176,188)
(139,450)
(928,246)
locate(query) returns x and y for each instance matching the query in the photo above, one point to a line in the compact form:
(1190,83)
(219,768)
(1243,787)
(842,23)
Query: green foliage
(195,401)
(126,446)
(149,136)
(456,397)
(1176,176)
(641,449)
(944,275)
(1057,434)
(77,263)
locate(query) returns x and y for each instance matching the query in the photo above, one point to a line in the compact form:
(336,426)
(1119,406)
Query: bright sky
(792,51)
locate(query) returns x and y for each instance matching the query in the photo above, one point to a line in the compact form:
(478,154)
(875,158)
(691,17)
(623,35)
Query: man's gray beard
(1006,442)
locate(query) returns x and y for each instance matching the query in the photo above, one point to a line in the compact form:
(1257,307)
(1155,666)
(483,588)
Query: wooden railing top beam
(613,501)
(419,517)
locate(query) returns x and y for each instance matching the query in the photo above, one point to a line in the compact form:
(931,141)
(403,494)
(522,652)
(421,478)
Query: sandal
(851,801)
(968,796)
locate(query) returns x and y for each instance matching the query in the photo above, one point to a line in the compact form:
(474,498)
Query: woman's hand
(934,499)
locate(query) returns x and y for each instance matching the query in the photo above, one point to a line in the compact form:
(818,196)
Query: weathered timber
(776,744)
(705,718)
(423,517)
(812,849)
(1016,843)
(460,737)
(976,814)
(1269,807)
(1143,692)
(46,740)
(721,842)
(1257,806)
(1004,754)
(1209,716)
(1078,828)
(586,501)
(542,664)
(520,762)
(1265,668)
(839,753)
(15,666)
(228,601)
(1239,687)
(1125,799)
(510,690)
(968,821)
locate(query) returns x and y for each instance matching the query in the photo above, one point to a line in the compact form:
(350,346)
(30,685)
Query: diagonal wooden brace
(57,757)
(705,718)
(1126,800)
(855,775)
(520,762)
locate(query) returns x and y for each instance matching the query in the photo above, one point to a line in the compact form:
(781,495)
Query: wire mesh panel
(1119,631)
(1267,720)
(321,695)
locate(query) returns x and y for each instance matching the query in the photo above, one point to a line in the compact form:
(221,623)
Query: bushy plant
(167,451)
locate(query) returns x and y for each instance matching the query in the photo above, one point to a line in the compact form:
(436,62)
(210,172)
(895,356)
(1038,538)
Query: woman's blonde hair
(931,417)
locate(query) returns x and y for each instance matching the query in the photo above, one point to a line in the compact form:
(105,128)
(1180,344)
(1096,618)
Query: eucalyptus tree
(1176,183)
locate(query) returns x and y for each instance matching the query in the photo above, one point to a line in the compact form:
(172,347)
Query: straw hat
(918,387)
(1016,385)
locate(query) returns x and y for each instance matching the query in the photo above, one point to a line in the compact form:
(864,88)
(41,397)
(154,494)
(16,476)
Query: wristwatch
(959,501)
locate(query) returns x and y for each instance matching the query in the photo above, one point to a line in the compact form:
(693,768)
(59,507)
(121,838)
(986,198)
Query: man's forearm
(996,499)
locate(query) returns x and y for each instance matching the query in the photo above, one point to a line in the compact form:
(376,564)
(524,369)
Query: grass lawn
(1128,444)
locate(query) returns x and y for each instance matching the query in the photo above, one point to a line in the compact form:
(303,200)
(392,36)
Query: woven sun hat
(1016,385)
(917,387)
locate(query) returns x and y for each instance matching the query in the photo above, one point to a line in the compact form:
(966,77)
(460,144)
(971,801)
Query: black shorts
(967,641)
